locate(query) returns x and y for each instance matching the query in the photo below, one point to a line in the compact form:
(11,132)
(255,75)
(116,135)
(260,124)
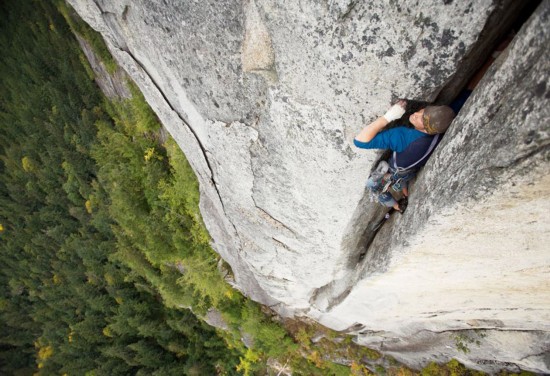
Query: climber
(411,148)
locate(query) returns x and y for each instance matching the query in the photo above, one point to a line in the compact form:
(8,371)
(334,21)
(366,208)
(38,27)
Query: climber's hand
(402,103)
(396,111)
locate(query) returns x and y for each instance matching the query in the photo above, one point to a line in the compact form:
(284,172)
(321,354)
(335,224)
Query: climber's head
(432,119)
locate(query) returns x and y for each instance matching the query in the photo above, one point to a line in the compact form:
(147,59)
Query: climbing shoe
(403,203)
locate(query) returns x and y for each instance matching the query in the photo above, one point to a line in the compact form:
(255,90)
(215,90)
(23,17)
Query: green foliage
(433,369)
(269,337)
(318,357)
(248,362)
(145,119)
(463,340)
(85,31)
(452,368)
(522,373)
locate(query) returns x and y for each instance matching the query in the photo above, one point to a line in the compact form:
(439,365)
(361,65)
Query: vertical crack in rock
(284,245)
(492,166)
(100,7)
(498,23)
(123,47)
(257,55)
(125,12)
(201,146)
(272,219)
(341,9)
(110,21)
(370,256)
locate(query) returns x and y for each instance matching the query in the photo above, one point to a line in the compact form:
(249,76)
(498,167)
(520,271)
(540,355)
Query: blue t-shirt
(411,145)
(396,139)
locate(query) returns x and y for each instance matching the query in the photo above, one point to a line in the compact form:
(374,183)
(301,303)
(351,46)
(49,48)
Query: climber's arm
(371,130)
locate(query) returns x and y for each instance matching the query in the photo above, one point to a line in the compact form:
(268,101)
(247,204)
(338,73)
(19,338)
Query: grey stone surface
(214,318)
(471,252)
(265,97)
(112,85)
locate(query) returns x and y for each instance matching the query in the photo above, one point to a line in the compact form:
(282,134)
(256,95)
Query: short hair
(436,119)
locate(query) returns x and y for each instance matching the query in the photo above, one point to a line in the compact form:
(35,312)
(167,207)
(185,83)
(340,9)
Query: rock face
(112,85)
(265,97)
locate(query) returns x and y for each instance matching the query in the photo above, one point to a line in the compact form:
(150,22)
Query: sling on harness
(396,169)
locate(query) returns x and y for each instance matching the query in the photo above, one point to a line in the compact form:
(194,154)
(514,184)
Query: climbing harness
(384,179)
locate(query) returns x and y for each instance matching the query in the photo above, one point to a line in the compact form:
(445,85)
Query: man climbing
(411,148)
